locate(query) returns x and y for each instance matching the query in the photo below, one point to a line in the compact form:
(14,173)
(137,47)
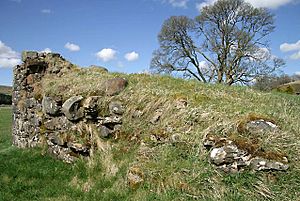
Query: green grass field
(26,174)
(30,174)
(177,171)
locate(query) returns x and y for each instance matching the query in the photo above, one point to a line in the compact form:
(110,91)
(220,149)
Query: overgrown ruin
(70,126)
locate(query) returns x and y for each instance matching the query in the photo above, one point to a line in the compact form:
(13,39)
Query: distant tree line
(5,99)
(271,82)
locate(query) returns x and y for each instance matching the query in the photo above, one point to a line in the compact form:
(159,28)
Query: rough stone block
(50,106)
(115,85)
(71,108)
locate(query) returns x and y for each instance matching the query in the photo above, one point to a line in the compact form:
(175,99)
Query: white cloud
(286,47)
(72,47)
(297,73)
(295,56)
(106,54)
(178,3)
(199,6)
(47,50)
(175,3)
(8,57)
(273,4)
(268,3)
(131,56)
(46,11)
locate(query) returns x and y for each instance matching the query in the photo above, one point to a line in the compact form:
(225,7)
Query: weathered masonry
(73,125)
(67,127)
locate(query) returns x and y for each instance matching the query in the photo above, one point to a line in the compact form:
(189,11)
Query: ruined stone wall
(71,126)
(65,126)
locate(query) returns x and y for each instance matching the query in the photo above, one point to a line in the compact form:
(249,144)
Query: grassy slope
(295,86)
(172,171)
(5,90)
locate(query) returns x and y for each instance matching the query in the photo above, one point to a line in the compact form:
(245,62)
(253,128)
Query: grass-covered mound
(161,141)
(5,90)
(291,88)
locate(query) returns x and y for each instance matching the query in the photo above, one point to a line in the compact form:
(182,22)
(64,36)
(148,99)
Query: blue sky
(118,34)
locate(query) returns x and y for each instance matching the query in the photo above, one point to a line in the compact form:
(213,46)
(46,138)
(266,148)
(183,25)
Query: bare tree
(226,43)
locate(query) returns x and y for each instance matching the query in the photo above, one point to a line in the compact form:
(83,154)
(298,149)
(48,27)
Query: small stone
(175,138)
(55,70)
(230,159)
(156,117)
(260,125)
(31,102)
(78,148)
(153,138)
(116,108)
(91,102)
(112,120)
(259,164)
(56,139)
(275,165)
(50,124)
(209,141)
(217,155)
(117,127)
(90,106)
(71,108)
(58,123)
(104,132)
(229,154)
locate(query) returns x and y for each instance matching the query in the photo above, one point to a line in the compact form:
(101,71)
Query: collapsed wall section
(65,126)
(72,125)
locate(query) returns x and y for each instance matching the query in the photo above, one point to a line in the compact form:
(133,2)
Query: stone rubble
(228,157)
